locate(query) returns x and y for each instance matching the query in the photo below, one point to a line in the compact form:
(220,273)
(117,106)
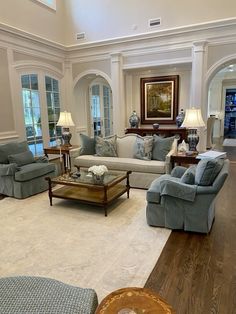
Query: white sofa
(143,171)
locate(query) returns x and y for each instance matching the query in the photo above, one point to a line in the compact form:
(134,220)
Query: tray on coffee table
(85,190)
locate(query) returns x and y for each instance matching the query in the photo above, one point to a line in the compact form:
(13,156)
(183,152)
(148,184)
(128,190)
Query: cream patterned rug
(77,244)
(229,142)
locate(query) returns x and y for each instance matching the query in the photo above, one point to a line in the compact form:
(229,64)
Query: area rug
(77,244)
(229,142)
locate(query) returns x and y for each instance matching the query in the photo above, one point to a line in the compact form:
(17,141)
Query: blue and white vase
(134,120)
(180,118)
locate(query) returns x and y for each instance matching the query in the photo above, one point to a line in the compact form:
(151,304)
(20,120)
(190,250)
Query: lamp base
(66,137)
(192,139)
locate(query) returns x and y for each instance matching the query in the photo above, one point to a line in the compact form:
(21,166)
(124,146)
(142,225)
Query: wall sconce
(65,121)
(192,121)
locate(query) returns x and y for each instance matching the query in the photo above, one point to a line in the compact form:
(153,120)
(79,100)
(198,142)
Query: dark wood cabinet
(166,132)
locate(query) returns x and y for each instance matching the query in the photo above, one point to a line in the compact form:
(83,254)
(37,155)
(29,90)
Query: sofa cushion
(87,145)
(143,148)
(125,145)
(31,171)
(10,149)
(21,159)
(105,147)
(161,146)
(189,175)
(207,170)
(122,164)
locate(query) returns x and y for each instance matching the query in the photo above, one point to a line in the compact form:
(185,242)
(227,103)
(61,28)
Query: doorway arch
(221,82)
(83,101)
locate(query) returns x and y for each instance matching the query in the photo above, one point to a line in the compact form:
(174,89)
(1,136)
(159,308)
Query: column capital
(200,46)
(116,57)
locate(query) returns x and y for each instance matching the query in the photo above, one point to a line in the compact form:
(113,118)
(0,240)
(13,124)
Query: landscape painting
(159,99)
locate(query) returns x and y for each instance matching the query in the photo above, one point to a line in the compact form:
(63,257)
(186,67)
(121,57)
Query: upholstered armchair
(185,199)
(22,175)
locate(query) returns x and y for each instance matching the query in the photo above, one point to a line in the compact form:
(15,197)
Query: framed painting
(159,99)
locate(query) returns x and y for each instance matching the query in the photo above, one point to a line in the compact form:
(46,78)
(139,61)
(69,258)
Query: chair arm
(8,169)
(178,189)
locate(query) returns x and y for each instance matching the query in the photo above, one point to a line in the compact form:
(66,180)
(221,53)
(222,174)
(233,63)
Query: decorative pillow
(105,147)
(207,170)
(161,147)
(189,175)
(143,148)
(10,149)
(87,145)
(21,159)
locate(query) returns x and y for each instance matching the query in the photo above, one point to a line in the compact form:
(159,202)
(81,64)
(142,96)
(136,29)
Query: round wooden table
(134,301)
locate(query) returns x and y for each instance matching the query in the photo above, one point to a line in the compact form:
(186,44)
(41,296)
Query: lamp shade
(65,119)
(193,118)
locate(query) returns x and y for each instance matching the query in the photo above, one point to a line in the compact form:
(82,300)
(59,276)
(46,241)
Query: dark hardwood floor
(196,273)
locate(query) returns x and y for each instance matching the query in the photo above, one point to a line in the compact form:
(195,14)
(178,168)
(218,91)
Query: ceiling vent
(154,22)
(80,36)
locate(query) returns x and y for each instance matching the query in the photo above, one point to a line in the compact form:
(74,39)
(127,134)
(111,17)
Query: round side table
(134,301)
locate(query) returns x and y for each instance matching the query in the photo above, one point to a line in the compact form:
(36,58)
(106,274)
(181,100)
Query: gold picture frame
(159,99)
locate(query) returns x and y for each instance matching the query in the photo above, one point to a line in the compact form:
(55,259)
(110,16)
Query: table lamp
(192,121)
(65,121)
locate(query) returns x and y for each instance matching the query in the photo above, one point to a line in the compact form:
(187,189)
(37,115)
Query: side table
(183,158)
(133,301)
(64,151)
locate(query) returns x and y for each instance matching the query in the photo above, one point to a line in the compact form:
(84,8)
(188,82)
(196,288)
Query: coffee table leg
(105,200)
(49,190)
(127,183)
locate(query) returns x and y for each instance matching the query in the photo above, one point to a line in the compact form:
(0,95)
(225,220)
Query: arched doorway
(93,104)
(222,101)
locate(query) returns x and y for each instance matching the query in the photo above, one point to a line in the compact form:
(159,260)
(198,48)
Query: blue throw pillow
(143,148)
(87,145)
(22,159)
(207,170)
(161,147)
(189,175)
(105,147)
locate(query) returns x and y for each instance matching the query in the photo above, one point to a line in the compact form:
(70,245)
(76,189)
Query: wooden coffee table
(86,191)
(133,301)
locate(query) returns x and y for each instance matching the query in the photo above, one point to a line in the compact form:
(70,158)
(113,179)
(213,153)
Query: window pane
(55,85)
(26,98)
(56,100)
(34,81)
(49,99)
(25,81)
(48,83)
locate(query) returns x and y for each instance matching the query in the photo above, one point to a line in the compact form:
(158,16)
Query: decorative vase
(155,126)
(134,120)
(180,118)
(98,179)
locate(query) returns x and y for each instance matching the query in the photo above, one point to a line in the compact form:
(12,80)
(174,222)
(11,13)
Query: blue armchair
(22,175)
(185,199)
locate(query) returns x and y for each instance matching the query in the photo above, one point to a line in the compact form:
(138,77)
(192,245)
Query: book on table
(211,154)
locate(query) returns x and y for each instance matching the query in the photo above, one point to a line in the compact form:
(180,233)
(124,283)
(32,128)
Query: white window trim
(51,5)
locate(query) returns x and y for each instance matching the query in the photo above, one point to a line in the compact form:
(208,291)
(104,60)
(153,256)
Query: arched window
(41,103)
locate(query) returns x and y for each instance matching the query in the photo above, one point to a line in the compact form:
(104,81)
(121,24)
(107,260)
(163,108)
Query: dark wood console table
(166,132)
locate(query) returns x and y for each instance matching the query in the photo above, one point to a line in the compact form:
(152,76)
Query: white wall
(105,19)
(35,18)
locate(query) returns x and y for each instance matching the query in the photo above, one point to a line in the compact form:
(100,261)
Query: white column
(67,100)
(198,87)
(117,78)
